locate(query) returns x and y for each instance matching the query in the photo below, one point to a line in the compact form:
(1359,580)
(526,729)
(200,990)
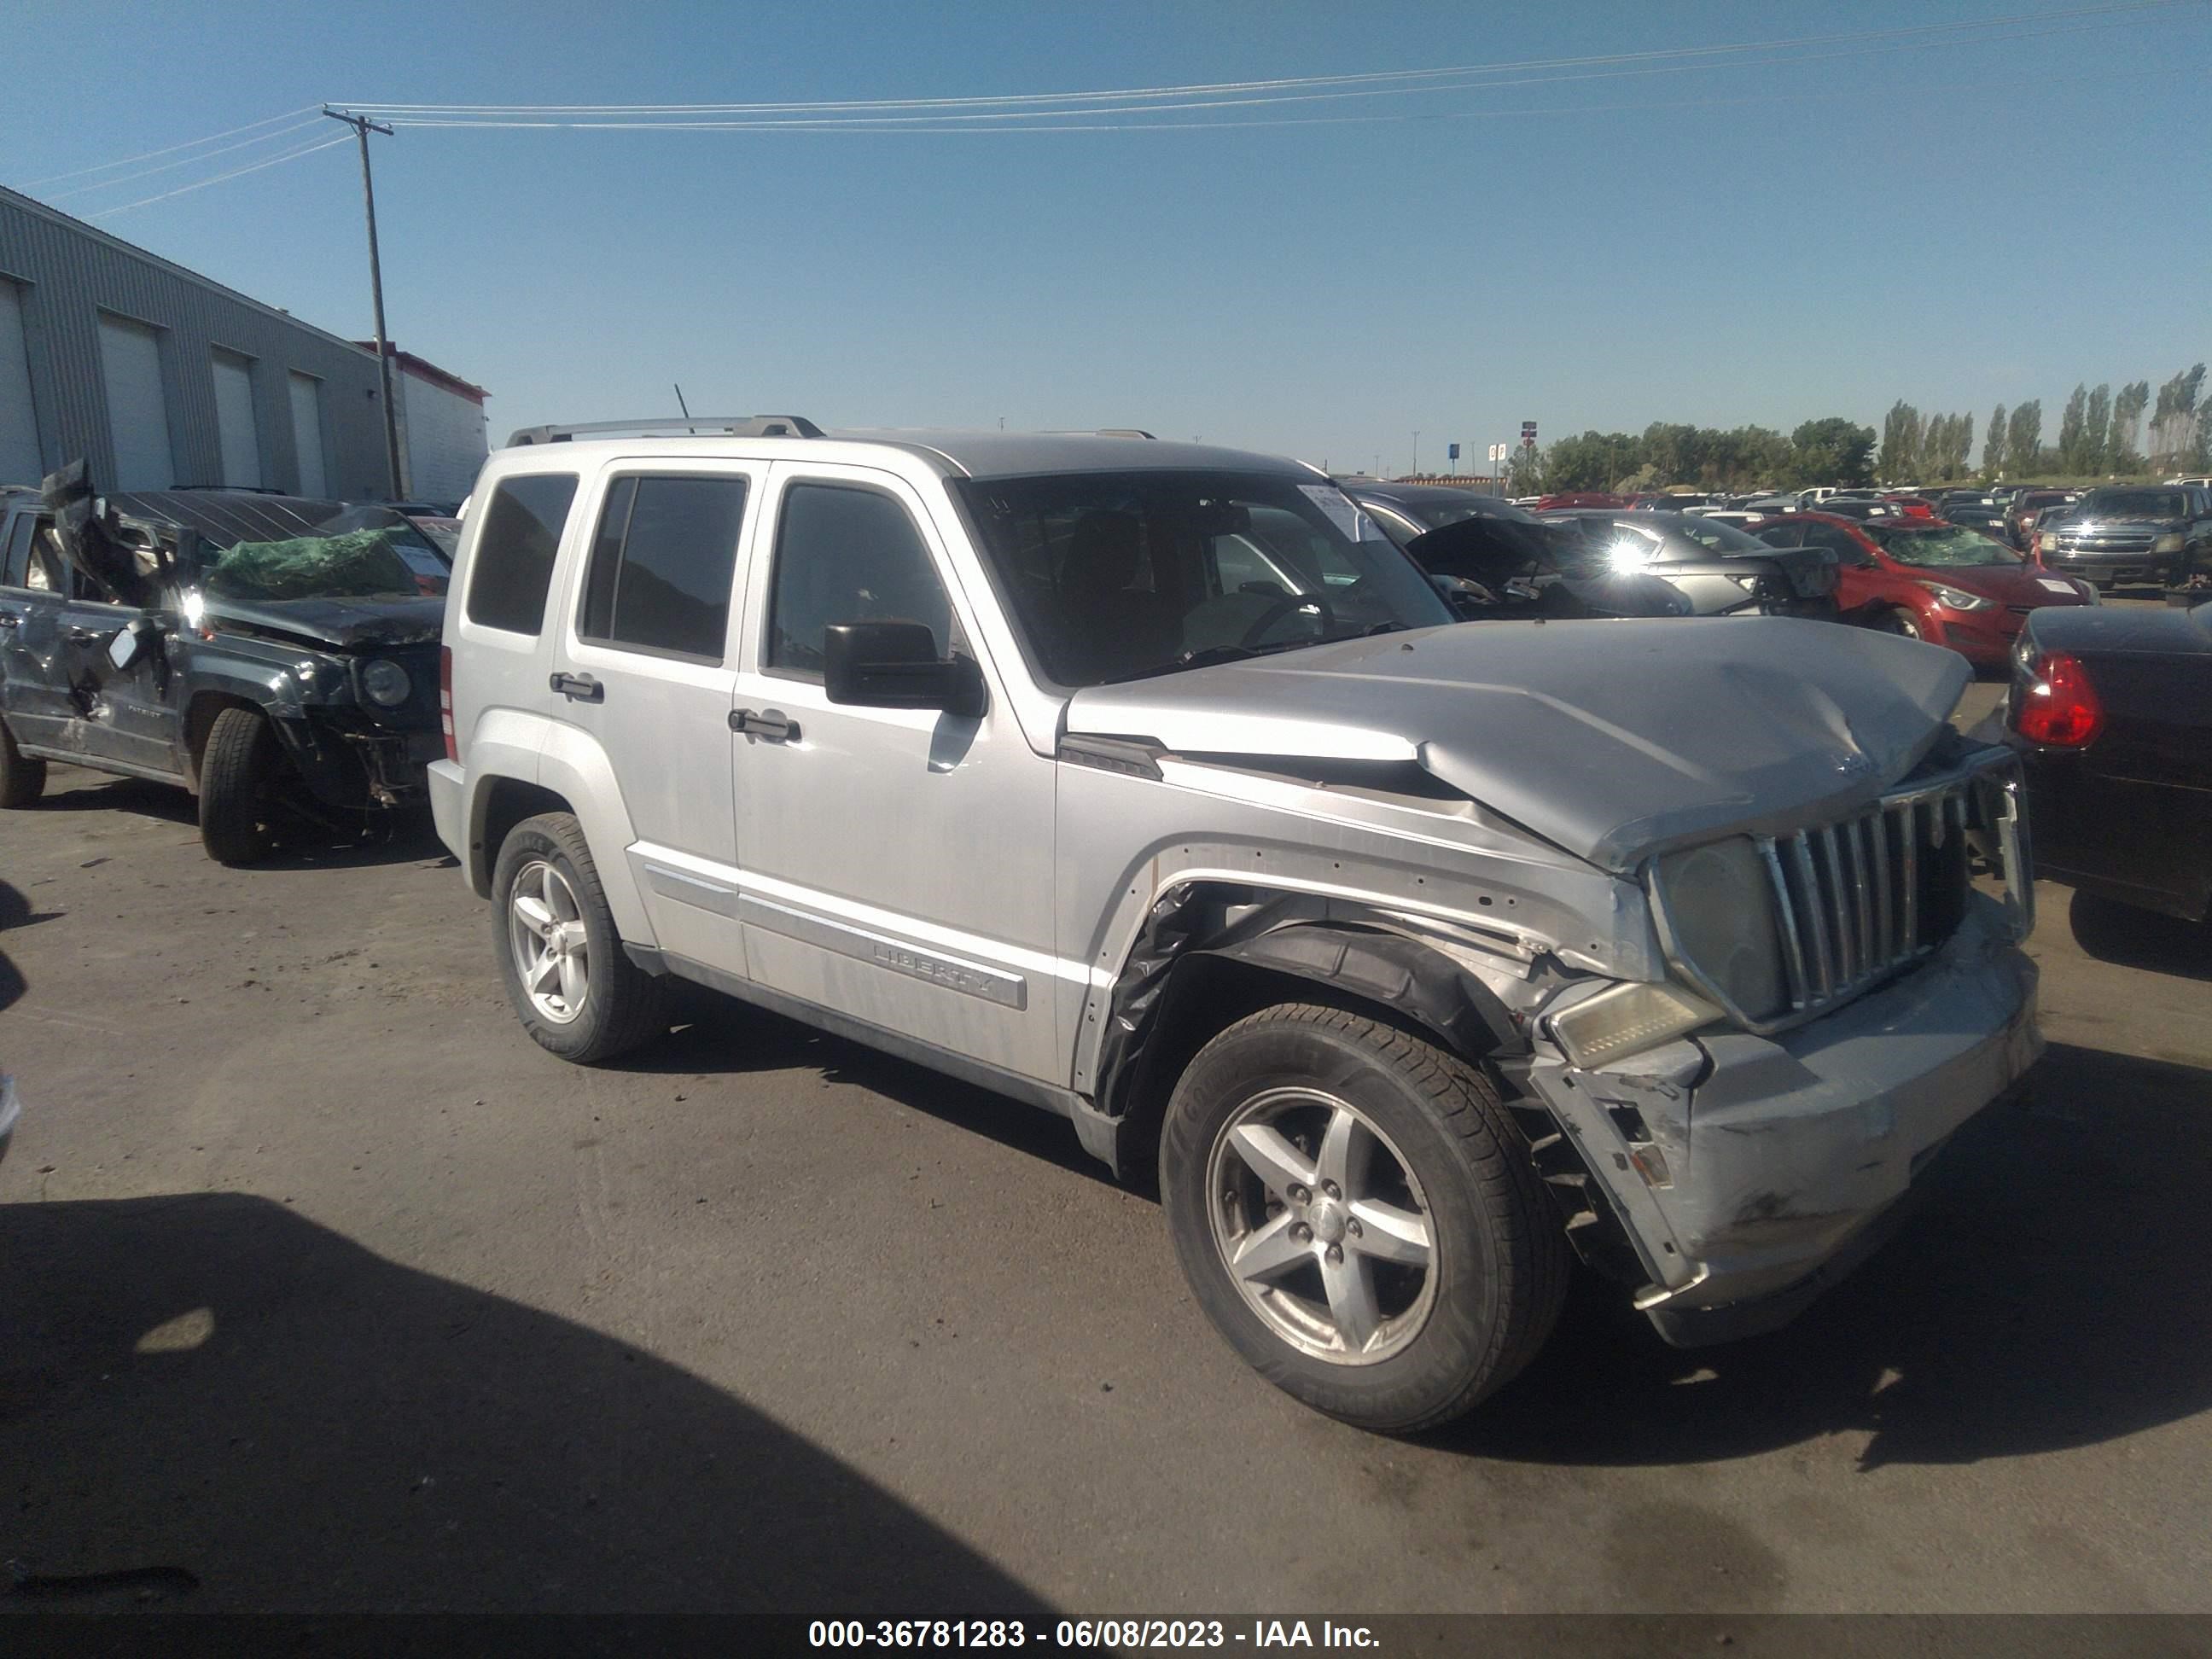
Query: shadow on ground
(2051,1295)
(719,1037)
(400,837)
(209,1402)
(2130,938)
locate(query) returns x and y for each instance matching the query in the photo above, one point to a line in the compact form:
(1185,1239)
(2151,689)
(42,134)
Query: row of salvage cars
(1415,956)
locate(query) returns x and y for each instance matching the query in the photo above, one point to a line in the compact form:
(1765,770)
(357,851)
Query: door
(20,461)
(122,711)
(308,431)
(897,863)
(33,586)
(644,657)
(237,433)
(137,408)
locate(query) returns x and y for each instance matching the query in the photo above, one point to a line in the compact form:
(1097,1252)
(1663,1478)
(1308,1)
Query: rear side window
(662,564)
(845,555)
(521,532)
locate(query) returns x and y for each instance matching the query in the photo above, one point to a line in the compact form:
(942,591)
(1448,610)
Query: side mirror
(894,665)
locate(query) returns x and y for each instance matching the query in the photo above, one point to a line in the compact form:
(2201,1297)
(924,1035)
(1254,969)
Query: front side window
(521,533)
(14,561)
(1121,575)
(662,565)
(846,554)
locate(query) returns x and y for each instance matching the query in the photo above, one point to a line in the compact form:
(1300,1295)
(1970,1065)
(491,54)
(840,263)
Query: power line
(236,172)
(189,161)
(171,149)
(1965,29)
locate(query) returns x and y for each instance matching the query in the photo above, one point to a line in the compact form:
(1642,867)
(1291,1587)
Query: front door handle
(85,635)
(579,688)
(10,619)
(770,725)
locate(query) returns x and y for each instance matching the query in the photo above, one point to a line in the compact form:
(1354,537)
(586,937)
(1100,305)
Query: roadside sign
(1527,434)
(1455,452)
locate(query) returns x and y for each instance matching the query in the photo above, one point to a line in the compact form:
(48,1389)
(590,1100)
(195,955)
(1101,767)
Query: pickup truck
(1150,784)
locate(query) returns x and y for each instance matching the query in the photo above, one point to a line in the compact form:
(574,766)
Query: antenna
(685,407)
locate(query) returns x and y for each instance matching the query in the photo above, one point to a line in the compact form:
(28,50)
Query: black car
(1405,511)
(2157,534)
(2111,709)
(276,656)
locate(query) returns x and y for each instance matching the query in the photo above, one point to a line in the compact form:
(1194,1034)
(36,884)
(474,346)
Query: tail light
(2058,707)
(446,702)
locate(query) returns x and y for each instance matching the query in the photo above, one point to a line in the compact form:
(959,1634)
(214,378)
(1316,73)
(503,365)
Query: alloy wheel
(545,928)
(1321,1226)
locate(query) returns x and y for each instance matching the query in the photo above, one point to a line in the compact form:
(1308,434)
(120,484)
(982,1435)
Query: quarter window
(521,533)
(845,555)
(662,564)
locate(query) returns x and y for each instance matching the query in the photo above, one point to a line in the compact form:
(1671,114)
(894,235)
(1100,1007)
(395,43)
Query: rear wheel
(1356,1213)
(239,769)
(22,780)
(575,990)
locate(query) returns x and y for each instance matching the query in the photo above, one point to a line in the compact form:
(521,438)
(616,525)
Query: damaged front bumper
(1750,1172)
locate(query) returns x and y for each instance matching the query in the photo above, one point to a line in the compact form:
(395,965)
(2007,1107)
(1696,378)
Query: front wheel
(577,991)
(1357,1213)
(1904,624)
(238,771)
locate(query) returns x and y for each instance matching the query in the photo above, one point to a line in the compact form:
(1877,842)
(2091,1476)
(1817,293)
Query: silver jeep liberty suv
(1150,784)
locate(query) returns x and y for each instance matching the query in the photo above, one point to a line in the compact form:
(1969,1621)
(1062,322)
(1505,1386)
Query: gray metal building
(158,377)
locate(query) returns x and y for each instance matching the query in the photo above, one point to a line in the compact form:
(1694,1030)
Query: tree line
(2099,432)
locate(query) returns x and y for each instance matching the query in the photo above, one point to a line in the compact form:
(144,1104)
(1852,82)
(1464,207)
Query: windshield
(359,553)
(2133,504)
(1947,545)
(1117,576)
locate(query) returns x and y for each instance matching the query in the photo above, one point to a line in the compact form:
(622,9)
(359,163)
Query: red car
(1929,581)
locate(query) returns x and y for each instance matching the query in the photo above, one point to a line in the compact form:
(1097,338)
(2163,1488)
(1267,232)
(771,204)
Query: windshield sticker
(2056,585)
(1346,516)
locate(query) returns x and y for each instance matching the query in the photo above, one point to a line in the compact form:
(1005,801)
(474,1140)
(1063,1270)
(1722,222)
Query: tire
(22,780)
(616,1006)
(239,768)
(1442,1152)
(1904,624)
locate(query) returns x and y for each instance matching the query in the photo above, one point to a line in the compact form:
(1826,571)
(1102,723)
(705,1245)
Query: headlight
(386,684)
(1953,599)
(1717,905)
(2169,542)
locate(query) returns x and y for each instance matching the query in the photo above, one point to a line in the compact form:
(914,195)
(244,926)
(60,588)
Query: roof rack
(721,425)
(1097,432)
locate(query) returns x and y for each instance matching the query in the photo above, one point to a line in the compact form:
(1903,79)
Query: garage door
(234,421)
(137,411)
(308,431)
(19,419)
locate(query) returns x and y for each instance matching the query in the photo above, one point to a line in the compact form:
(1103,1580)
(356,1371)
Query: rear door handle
(770,725)
(579,688)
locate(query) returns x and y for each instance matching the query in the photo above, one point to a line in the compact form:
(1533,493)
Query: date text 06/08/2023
(1086,1633)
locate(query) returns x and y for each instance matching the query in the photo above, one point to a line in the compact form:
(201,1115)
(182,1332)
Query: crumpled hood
(344,625)
(1613,740)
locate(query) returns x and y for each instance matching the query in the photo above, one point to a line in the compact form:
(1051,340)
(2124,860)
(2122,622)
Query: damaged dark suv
(277,656)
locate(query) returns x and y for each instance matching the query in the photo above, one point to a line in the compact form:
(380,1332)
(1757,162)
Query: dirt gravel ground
(321,1288)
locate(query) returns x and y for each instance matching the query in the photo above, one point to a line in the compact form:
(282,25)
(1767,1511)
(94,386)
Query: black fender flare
(1343,947)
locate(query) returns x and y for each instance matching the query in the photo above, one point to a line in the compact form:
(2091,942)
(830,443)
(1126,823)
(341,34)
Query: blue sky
(1958,226)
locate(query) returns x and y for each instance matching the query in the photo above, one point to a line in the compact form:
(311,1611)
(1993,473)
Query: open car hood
(1613,740)
(340,624)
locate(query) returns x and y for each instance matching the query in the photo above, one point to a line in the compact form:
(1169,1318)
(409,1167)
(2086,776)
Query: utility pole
(1417,454)
(362,127)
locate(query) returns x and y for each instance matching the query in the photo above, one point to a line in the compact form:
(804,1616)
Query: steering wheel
(1283,607)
